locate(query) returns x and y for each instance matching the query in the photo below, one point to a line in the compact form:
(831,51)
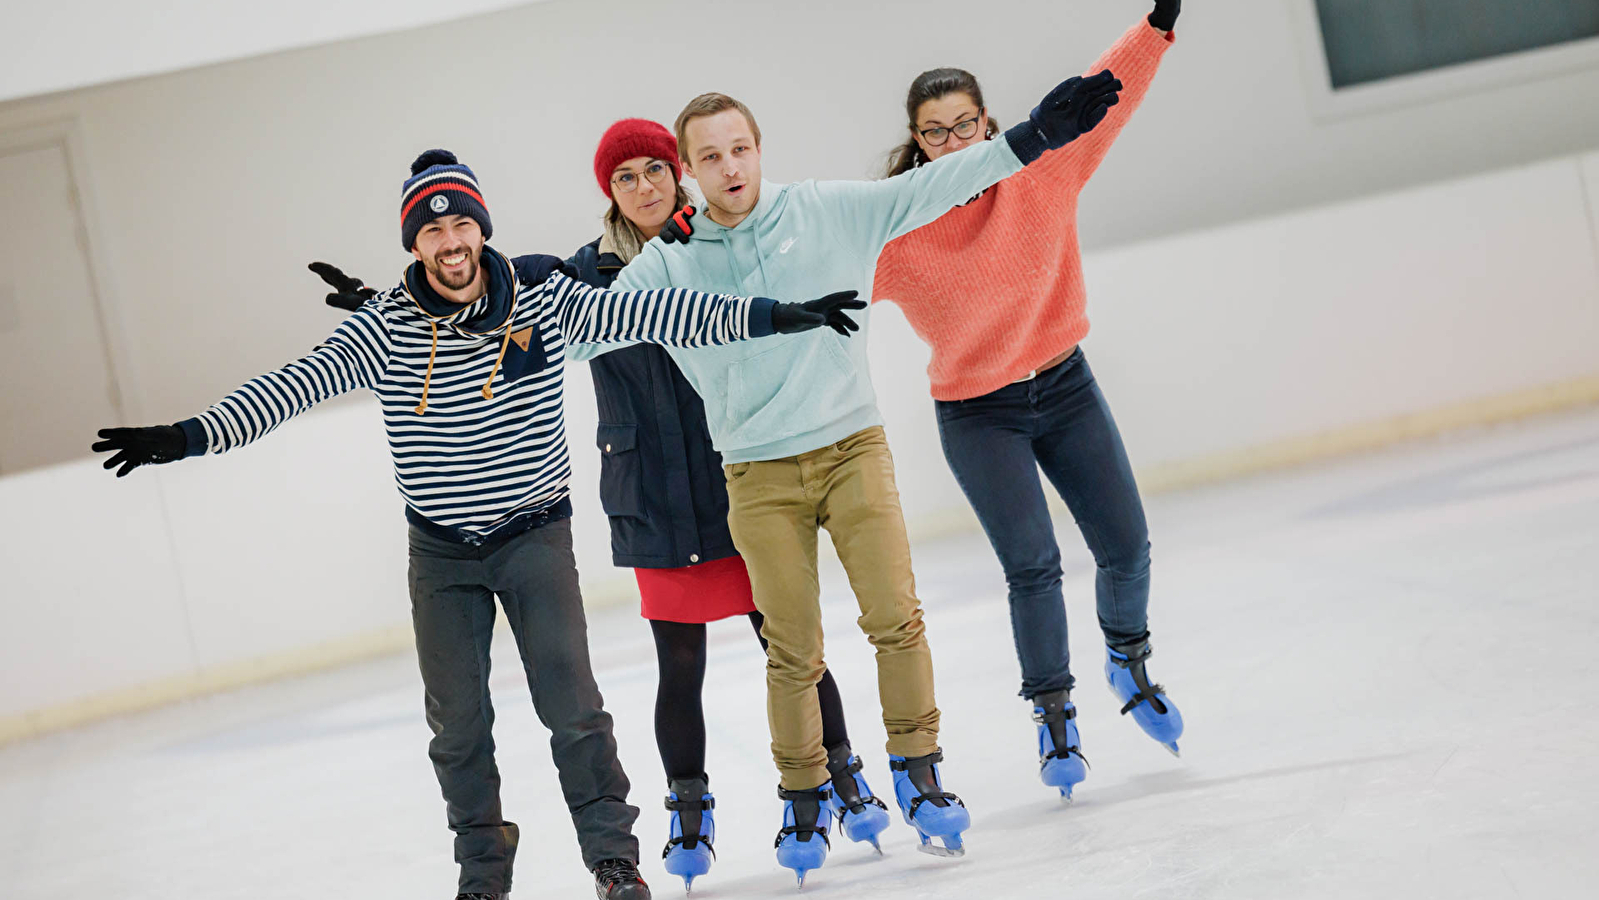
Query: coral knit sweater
(995,287)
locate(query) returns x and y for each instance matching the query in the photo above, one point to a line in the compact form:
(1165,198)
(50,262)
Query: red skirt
(705,592)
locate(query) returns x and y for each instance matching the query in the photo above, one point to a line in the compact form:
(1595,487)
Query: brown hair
(709,105)
(931,85)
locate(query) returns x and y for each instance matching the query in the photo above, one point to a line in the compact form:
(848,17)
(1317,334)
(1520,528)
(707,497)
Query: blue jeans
(995,445)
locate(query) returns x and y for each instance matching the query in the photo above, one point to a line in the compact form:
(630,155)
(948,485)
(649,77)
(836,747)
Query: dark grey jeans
(995,445)
(452,609)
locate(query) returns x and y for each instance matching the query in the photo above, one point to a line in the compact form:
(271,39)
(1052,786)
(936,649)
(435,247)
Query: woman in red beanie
(662,486)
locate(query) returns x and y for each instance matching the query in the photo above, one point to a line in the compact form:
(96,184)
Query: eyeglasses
(964,129)
(627,182)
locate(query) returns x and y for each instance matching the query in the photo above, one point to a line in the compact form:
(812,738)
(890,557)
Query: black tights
(679,716)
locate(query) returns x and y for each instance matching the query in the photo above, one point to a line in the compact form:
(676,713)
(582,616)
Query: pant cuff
(806,779)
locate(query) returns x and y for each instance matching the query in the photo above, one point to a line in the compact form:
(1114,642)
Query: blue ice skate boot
(802,843)
(1151,708)
(927,807)
(861,816)
(1061,763)
(689,851)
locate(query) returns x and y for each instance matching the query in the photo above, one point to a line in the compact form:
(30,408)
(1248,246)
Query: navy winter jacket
(661,481)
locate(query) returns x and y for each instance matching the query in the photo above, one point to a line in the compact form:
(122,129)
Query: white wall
(1207,345)
(208,190)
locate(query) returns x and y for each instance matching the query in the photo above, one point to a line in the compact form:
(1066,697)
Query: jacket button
(693,557)
(607,448)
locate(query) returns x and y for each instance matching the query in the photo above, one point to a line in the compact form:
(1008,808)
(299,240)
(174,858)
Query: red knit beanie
(634,137)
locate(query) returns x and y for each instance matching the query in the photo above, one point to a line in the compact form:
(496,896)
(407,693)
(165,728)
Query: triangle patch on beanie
(522,338)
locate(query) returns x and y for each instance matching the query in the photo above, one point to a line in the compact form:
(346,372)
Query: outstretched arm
(1134,58)
(680,317)
(868,215)
(355,356)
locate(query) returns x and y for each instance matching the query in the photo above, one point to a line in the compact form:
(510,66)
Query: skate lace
(617,871)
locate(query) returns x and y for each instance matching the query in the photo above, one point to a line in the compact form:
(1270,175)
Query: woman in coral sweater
(995,287)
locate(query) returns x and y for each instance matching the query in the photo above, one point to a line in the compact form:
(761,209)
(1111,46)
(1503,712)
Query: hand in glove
(677,228)
(349,292)
(1070,109)
(137,447)
(788,318)
(1164,18)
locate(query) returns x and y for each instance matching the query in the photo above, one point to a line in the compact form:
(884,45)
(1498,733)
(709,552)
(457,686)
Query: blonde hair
(709,105)
(624,238)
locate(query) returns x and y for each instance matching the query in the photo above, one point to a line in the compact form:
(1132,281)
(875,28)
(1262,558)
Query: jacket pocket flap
(617,438)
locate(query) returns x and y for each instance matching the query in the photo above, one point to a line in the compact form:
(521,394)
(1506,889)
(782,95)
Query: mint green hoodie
(783,395)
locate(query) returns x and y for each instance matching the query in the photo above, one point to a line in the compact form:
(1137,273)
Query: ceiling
(58,45)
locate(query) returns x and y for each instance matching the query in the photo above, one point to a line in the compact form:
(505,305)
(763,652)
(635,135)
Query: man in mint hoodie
(796,421)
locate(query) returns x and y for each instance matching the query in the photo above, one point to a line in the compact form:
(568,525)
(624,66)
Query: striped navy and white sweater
(472,396)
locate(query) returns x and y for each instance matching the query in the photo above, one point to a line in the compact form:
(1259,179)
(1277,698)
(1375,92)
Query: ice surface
(1386,666)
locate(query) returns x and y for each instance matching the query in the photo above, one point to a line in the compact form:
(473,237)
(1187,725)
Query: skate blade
(1066,797)
(800,874)
(875,845)
(688,884)
(1172,749)
(945,852)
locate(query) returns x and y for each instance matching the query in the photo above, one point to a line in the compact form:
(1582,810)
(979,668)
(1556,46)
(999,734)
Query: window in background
(1370,40)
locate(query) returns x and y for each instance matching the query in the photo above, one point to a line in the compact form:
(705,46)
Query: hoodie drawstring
(488,386)
(428,378)
(505,345)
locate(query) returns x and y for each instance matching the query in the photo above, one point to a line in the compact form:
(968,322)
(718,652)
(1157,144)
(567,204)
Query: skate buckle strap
(934,795)
(688,841)
(1148,693)
(859,802)
(1059,715)
(686,805)
(920,762)
(818,796)
(1134,664)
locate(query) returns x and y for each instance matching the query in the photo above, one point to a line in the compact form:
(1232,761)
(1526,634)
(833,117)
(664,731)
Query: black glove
(1070,109)
(788,318)
(677,228)
(1165,15)
(349,292)
(137,447)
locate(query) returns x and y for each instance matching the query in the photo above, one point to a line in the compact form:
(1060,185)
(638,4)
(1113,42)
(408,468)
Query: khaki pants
(775,508)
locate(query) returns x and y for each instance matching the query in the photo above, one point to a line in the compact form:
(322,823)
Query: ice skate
(689,850)
(1151,708)
(927,807)
(861,816)
(1060,754)
(802,843)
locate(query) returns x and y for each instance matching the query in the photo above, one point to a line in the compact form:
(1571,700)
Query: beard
(453,280)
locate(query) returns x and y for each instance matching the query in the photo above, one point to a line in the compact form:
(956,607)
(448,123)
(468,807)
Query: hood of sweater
(479,320)
(486,319)
(753,231)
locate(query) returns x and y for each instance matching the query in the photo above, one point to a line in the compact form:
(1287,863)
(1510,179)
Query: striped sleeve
(355,356)
(675,317)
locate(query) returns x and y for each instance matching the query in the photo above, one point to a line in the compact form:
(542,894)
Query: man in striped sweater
(465,356)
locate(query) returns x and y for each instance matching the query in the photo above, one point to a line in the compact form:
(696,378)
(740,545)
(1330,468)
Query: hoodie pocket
(795,387)
(621,471)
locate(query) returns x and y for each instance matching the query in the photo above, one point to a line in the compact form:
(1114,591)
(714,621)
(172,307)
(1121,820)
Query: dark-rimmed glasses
(964,129)
(627,182)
